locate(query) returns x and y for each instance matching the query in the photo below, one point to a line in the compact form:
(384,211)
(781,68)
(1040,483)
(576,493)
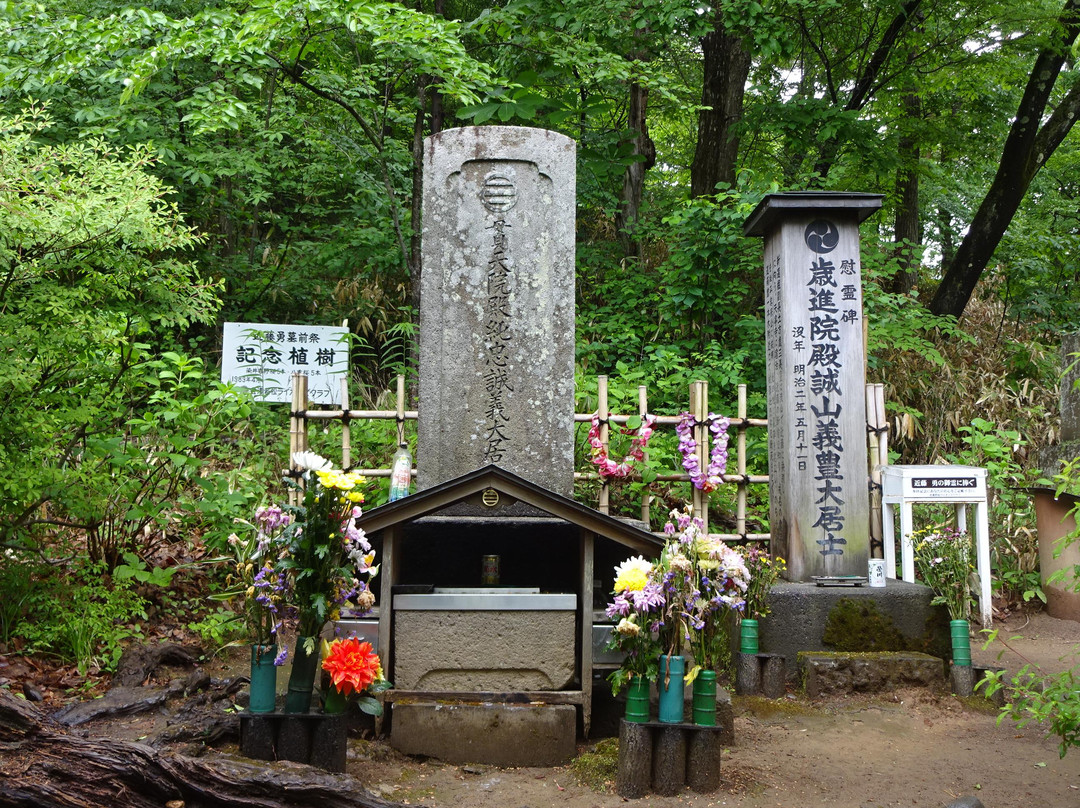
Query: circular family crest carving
(821,236)
(491,497)
(498,194)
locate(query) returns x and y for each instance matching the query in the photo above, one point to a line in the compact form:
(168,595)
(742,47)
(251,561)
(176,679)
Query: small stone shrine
(482,661)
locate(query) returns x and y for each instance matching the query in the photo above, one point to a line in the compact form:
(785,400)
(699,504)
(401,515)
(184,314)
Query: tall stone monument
(497,305)
(818,474)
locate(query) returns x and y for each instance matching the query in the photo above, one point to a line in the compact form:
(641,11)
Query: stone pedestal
(899,617)
(312,738)
(495,734)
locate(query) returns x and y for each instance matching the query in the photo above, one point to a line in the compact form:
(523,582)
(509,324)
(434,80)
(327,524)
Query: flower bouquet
(329,562)
(255,584)
(678,602)
(764,571)
(262,594)
(355,672)
(943,560)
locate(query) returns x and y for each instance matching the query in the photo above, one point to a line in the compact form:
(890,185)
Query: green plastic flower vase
(335,702)
(302,678)
(670,685)
(748,636)
(263,688)
(704,699)
(637,700)
(961,642)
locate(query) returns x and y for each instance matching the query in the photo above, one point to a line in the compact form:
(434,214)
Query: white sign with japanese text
(262,358)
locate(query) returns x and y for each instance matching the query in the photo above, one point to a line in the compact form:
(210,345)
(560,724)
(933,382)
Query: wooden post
(740,465)
(602,408)
(587,573)
(876,542)
(643,410)
(669,761)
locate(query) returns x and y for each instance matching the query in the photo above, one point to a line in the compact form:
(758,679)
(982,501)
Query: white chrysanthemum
(309,461)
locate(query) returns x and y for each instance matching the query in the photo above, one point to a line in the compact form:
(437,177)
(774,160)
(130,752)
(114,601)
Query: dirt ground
(905,748)
(910,747)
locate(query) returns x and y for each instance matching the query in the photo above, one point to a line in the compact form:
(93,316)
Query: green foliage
(19,573)
(83,617)
(219,627)
(87,251)
(1052,702)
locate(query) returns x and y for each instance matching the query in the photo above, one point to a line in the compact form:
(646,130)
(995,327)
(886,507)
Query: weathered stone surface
(495,734)
(962,678)
(830,674)
(497,305)
(819,510)
(483,650)
(1070,391)
(905,618)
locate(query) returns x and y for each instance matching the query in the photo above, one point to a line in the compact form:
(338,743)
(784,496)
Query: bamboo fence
(877,434)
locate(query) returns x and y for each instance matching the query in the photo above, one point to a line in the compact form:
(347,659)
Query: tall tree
(1032,140)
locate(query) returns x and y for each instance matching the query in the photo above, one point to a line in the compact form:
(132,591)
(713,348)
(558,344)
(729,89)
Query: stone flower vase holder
(756,673)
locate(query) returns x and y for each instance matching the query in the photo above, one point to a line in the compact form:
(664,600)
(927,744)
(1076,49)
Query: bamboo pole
(643,411)
(699,393)
(740,465)
(603,505)
(876,541)
(400,415)
(346,433)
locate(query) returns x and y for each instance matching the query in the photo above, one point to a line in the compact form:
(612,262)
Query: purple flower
(279,660)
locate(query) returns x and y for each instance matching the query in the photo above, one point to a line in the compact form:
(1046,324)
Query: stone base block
(897,617)
(313,738)
(761,674)
(831,674)
(495,734)
(484,650)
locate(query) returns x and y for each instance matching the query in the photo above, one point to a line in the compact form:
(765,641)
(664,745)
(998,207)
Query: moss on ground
(597,768)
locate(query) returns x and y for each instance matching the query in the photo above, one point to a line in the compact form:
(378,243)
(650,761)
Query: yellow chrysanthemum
(632,574)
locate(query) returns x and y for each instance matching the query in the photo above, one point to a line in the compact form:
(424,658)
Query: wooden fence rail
(877,430)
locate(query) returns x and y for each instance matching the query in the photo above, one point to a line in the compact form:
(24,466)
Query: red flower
(352,665)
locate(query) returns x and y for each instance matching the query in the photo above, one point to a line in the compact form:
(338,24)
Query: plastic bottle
(400,473)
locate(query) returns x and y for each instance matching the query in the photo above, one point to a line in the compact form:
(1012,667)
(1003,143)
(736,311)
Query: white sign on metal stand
(959,486)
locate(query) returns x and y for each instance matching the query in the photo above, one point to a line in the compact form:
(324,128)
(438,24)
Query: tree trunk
(865,85)
(726,66)
(634,176)
(1026,150)
(906,231)
(44,765)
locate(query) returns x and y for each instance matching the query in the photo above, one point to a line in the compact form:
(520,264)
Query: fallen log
(43,764)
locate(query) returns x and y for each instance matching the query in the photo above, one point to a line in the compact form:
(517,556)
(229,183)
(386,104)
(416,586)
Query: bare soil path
(906,748)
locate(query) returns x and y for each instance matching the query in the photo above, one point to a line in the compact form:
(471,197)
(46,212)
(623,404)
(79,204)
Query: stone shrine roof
(508,489)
